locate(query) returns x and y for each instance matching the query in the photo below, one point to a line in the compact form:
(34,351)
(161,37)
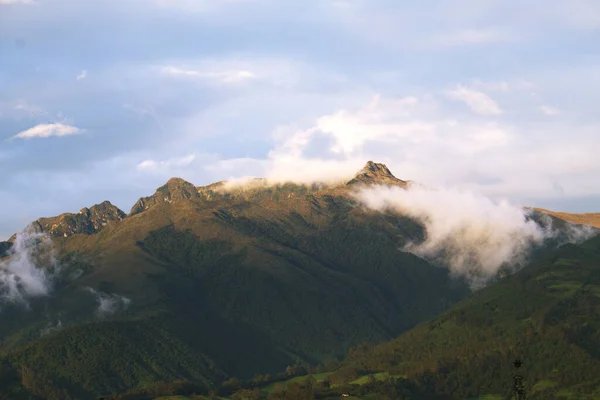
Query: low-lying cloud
(28,269)
(50,327)
(469,233)
(109,303)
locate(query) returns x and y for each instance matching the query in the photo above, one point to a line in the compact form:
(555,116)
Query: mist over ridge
(472,234)
(28,269)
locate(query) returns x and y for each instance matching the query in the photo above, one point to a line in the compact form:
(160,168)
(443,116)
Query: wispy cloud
(82,75)
(48,130)
(50,327)
(30,109)
(174,162)
(109,303)
(16,108)
(227,77)
(477,101)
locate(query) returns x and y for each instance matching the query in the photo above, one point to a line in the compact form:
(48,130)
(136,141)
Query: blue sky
(108,99)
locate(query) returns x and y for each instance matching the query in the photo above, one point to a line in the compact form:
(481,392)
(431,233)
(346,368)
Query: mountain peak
(376,174)
(175,189)
(177,181)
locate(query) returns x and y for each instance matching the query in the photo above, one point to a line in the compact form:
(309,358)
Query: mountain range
(233,280)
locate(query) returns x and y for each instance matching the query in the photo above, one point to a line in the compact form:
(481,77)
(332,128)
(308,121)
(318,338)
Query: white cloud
(470,233)
(549,110)
(226,77)
(174,162)
(424,140)
(477,101)
(47,130)
(352,129)
(384,129)
(268,72)
(82,75)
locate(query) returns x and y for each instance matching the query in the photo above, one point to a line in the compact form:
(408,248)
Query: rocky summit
(257,189)
(87,221)
(175,189)
(377,174)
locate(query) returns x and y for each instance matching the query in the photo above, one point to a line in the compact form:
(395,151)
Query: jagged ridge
(92,220)
(87,221)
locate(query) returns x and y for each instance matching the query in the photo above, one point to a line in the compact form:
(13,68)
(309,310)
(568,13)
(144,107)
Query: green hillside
(235,286)
(547,314)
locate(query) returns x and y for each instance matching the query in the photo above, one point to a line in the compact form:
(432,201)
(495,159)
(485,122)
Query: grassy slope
(592,219)
(547,314)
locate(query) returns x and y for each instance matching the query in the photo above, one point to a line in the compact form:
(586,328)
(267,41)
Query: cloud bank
(467,232)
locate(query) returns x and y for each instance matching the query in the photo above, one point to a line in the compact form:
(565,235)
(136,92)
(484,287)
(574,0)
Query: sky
(106,100)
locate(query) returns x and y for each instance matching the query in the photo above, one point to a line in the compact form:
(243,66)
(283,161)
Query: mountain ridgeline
(212,282)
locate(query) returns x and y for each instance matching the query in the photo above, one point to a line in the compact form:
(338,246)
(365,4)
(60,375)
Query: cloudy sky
(108,99)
